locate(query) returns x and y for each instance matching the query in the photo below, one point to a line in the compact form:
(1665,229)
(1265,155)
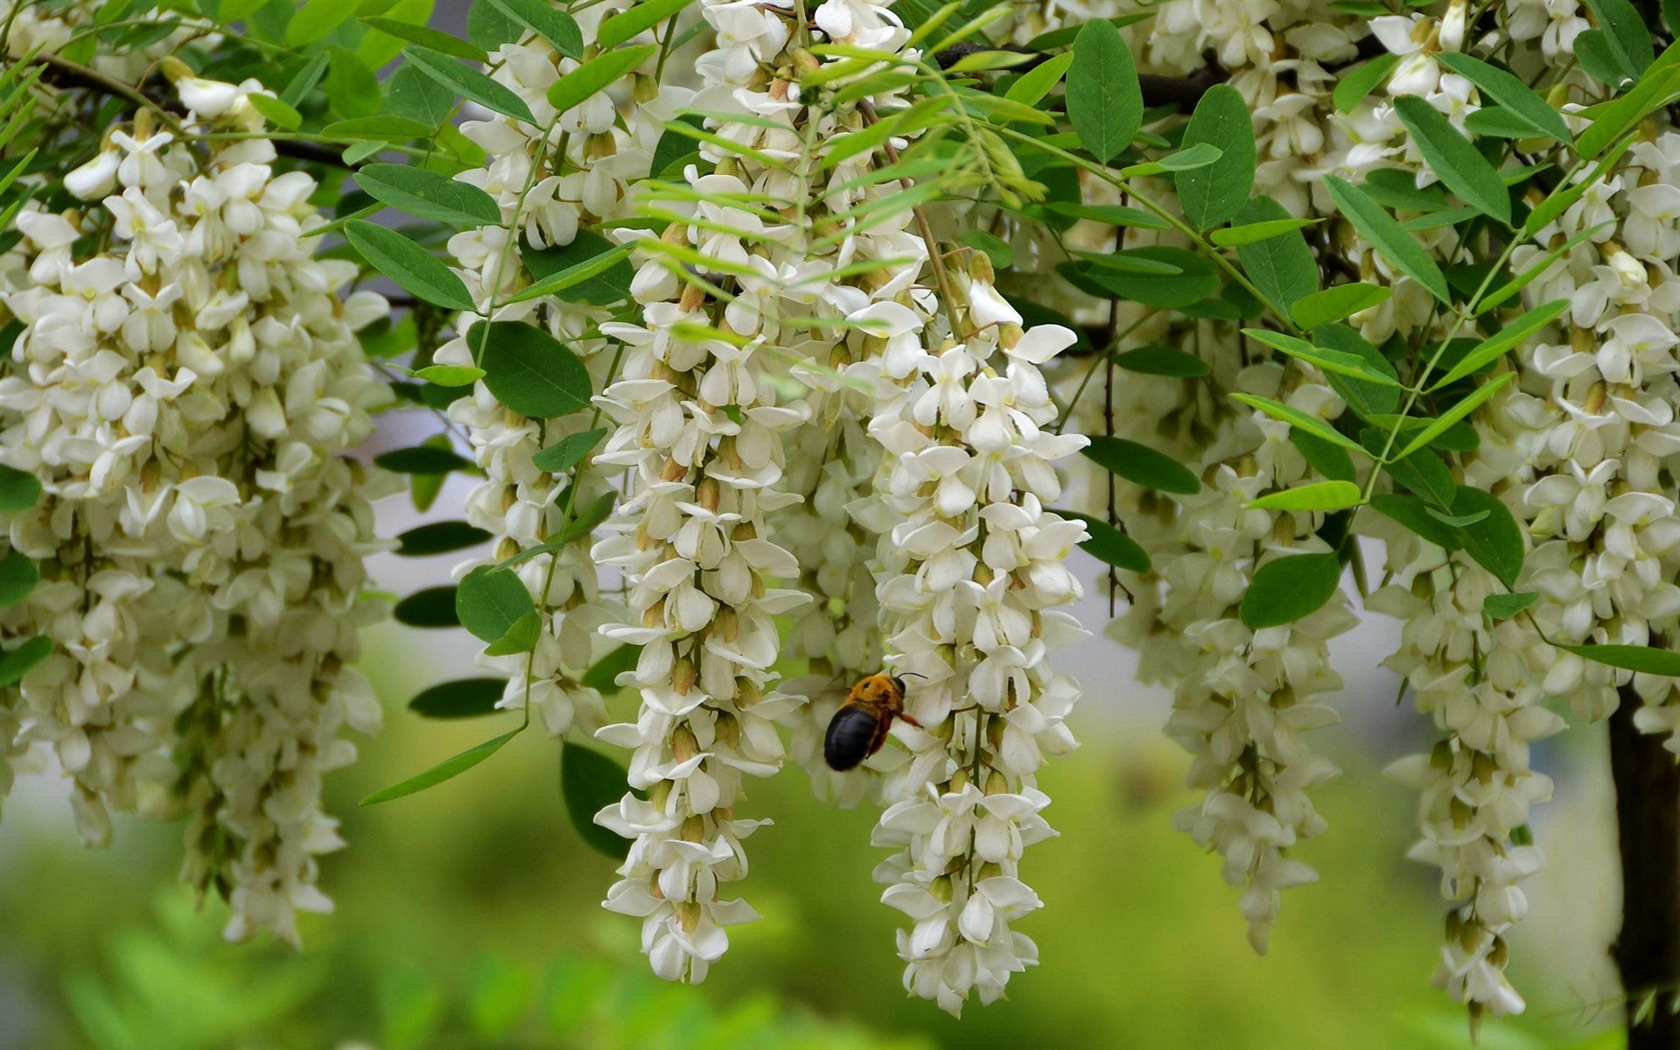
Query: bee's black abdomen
(853,735)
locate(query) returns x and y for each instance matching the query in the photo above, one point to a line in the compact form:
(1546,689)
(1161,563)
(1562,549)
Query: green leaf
(1286,589)
(352,89)
(376,129)
(422,459)
(1457,412)
(1213,195)
(1251,233)
(595,74)
(521,637)
(408,264)
(1454,159)
(470,84)
(1281,266)
(1414,515)
(603,676)
(590,782)
(438,537)
(591,270)
(20,661)
(1109,545)
(1642,659)
(636,19)
(425,36)
(18,491)
(1319,495)
(1626,33)
(428,195)
(315,20)
(1192,158)
(1141,465)
(1495,542)
(1297,418)
(1366,399)
(445,770)
(1357,83)
(1035,83)
(275,111)
(1333,304)
(450,375)
(1385,234)
(1596,54)
(489,601)
(553,25)
(1162,361)
(1328,459)
(1335,361)
(462,698)
(18,576)
(1655,90)
(1425,476)
(1196,279)
(1505,606)
(1104,102)
(429,607)
(1517,98)
(529,370)
(413,96)
(586,520)
(489,27)
(1495,346)
(995,248)
(1394,188)
(1671,17)
(1109,214)
(568,452)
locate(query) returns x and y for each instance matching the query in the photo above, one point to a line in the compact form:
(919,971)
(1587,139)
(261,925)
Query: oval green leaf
(408,264)
(462,698)
(489,601)
(1104,101)
(1141,465)
(1286,589)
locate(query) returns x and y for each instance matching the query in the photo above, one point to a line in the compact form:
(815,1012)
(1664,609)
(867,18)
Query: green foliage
(490,601)
(529,370)
(1285,589)
(1141,465)
(1214,194)
(448,769)
(1104,101)
(461,698)
(1109,545)
(590,781)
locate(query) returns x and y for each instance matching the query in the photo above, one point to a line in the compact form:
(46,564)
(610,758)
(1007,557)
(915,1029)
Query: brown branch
(1647,951)
(63,73)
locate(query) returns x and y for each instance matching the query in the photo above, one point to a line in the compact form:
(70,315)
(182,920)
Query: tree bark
(1647,951)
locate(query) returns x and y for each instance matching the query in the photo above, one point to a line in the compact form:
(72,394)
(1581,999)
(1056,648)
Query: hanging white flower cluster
(185,395)
(970,573)
(564,173)
(700,428)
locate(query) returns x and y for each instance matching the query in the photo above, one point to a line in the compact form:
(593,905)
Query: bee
(860,727)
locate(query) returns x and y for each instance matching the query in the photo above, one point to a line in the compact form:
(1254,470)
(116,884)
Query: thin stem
(68,72)
(947,299)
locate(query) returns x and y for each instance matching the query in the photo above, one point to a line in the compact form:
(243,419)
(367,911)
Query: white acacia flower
(219,540)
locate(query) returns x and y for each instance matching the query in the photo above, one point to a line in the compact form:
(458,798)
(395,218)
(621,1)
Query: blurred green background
(469,915)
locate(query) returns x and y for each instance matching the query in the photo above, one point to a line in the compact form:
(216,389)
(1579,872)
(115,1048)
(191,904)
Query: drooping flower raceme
(552,179)
(185,396)
(969,575)
(699,427)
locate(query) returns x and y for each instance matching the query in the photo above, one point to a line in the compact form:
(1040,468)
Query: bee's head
(898,679)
